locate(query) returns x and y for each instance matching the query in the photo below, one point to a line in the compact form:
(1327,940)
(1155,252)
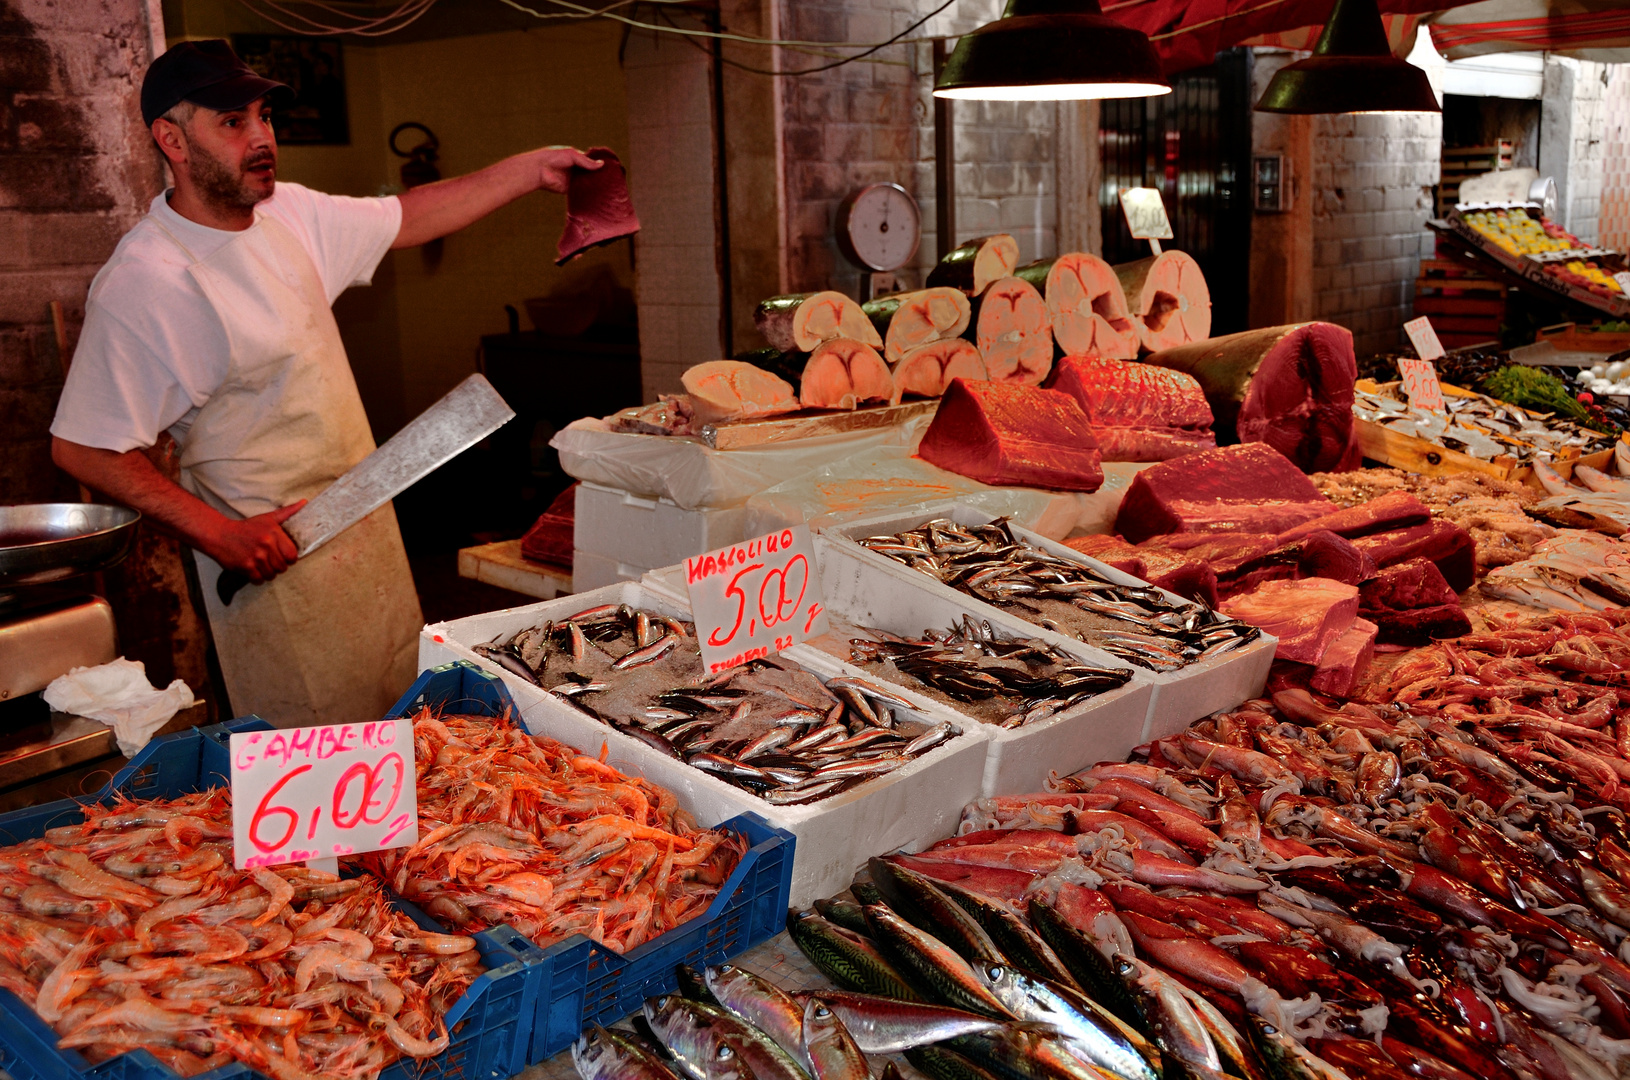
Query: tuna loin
(1014,332)
(598,209)
(1139,412)
(1087,305)
(802,321)
(1288,386)
(845,374)
(732,390)
(1393,510)
(1168,298)
(1306,616)
(1188,577)
(909,321)
(1445,543)
(1346,659)
(1013,435)
(927,370)
(1412,603)
(977,263)
(1249,488)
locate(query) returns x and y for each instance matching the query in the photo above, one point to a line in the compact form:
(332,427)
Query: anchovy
(655,651)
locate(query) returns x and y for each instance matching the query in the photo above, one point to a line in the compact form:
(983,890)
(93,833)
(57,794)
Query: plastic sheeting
(694,476)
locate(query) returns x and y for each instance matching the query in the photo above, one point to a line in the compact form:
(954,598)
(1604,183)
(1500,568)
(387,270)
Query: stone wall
(1572,146)
(1372,195)
(76,171)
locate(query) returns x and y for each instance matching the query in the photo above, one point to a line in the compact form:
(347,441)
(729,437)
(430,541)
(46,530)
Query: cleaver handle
(228,584)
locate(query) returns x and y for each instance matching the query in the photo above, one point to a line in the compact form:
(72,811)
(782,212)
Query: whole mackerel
(831,1049)
(600,1055)
(932,963)
(849,959)
(1090,1030)
(884,1025)
(762,1004)
(702,1037)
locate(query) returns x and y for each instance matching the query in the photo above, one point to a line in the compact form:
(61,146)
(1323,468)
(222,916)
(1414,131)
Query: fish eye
(724,1053)
(821,1012)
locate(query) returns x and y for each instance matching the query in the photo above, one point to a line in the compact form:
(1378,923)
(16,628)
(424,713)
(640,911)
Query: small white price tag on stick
(317,793)
(1421,384)
(1146,215)
(1623,278)
(1424,338)
(755,598)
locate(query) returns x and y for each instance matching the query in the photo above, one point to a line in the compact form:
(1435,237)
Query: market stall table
(501,564)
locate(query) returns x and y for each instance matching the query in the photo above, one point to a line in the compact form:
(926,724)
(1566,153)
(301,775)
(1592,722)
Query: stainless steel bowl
(41,542)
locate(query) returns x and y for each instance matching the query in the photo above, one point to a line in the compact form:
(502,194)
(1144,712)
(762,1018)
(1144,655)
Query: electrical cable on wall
(277,11)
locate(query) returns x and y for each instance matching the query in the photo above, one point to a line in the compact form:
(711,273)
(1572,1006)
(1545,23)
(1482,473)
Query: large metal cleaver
(470,412)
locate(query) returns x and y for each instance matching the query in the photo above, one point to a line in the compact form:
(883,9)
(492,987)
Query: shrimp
(278,890)
(67,981)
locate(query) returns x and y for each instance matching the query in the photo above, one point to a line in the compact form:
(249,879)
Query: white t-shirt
(153,351)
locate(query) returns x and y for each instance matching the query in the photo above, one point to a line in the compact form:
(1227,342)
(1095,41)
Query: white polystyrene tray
(1102,728)
(1180,697)
(908,808)
(644,532)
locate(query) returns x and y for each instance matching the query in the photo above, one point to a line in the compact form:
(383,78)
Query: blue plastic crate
(582,983)
(490,1026)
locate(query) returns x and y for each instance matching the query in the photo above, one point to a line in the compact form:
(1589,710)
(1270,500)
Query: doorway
(1194,144)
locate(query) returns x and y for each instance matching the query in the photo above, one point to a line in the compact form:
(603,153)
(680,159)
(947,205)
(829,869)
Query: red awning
(1189,33)
(1584,29)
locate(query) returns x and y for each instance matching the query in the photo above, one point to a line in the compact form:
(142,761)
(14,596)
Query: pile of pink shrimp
(520,829)
(134,930)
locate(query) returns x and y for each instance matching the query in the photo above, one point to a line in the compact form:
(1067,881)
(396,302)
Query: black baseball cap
(206,73)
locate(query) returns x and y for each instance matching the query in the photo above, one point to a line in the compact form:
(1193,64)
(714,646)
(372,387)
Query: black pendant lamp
(1052,50)
(1352,69)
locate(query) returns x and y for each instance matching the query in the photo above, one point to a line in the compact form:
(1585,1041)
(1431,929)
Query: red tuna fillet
(1246,488)
(598,209)
(1188,577)
(1346,659)
(1004,434)
(1412,603)
(1394,510)
(1440,540)
(1139,412)
(1288,386)
(1306,616)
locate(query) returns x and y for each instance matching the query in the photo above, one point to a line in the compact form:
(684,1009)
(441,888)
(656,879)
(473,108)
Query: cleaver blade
(470,412)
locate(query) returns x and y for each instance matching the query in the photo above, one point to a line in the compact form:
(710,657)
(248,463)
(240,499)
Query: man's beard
(220,185)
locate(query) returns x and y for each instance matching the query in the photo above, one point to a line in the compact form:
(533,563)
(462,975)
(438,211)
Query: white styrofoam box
(908,808)
(647,532)
(1102,728)
(591,571)
(1180,697)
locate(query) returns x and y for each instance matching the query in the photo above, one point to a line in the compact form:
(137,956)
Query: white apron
(334,639)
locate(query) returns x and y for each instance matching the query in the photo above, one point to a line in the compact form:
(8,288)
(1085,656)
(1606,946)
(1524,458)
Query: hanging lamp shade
(1052,50)
(1352,69)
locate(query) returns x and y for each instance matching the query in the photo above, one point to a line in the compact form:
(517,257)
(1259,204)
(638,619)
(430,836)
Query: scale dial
(879,227)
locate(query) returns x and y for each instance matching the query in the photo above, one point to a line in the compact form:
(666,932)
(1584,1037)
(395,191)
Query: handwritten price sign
(1421,384)
(1424,338)
(755,598)
(321,792)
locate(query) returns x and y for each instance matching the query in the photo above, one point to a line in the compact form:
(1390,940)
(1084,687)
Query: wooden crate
(1460,163)
(1415,454)
(1569,338)
(1466,307)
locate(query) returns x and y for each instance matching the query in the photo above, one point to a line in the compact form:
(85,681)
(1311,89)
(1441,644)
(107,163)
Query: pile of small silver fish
(767,726)
(1481,427)
(1138,624)
(1018,681)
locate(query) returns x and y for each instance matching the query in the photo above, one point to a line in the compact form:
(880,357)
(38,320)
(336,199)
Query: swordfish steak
(1014,332)
(1008,435)
(846,374)
(1139,412)
(927,370)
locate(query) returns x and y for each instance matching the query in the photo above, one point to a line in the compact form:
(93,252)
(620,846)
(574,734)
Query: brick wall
(1372,195)
(74,175)
(1572,146)
(870,122)
(672,182)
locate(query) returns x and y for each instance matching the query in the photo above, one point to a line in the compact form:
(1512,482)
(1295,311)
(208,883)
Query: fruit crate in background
(1465,306)
(490,1025)
(1460,163)
(582,982)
